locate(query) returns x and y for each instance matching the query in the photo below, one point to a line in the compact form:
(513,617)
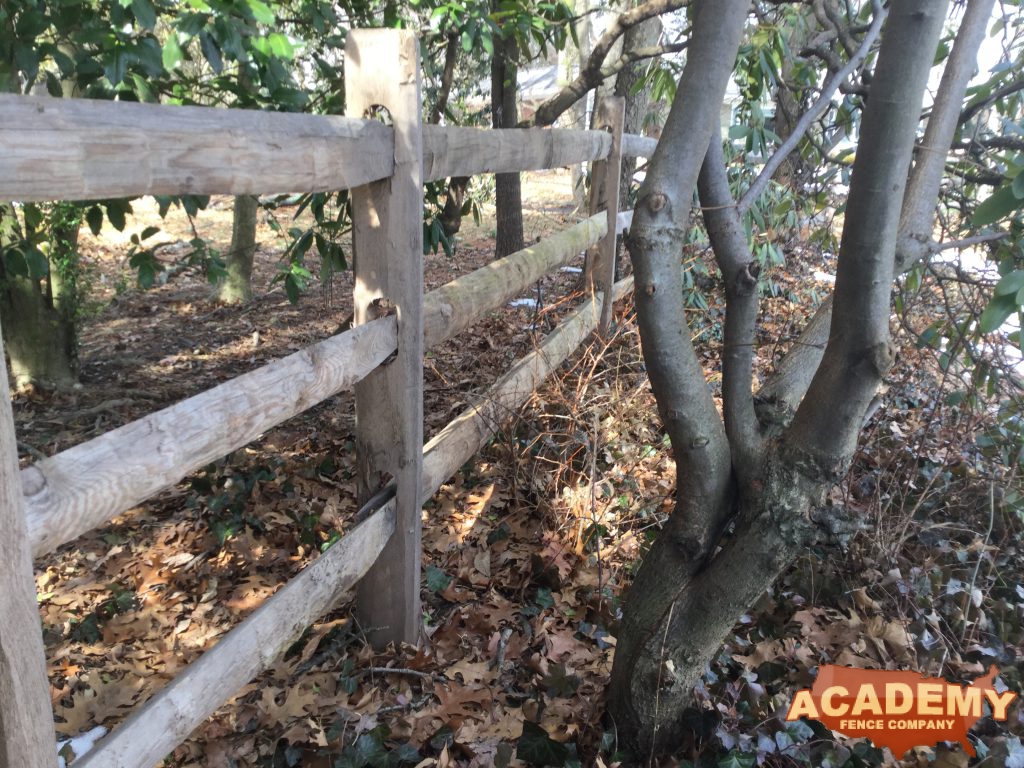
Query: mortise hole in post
(378,112)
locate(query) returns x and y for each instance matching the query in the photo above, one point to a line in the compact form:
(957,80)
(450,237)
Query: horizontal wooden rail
(175,711)
(457,443)
(81,149)
(634,145)
(455,151)
(167,719)
(455,306)
(84,486)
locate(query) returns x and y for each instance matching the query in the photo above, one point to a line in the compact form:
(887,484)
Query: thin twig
(398,671)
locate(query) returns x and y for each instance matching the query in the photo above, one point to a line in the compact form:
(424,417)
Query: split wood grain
(84,149)
(382,70)
(463,437)
(166,720)
(26,719)
(84,486)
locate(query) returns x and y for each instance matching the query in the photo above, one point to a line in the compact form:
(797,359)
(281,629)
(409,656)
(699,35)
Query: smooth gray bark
(686,598)
(687,410)
(782,393)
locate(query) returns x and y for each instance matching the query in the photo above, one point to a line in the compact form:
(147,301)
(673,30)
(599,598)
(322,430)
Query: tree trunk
(575,62)
(789,103)
(693,584)
(507,189)
(236,287)
(642,35)
(38,316)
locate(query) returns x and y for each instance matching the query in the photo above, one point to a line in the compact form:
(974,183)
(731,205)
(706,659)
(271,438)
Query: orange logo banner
(899,710)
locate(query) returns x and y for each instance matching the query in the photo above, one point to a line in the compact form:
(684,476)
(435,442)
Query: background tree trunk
(642,35)
(38,316)
(575,61)
(507,188)
(236,288)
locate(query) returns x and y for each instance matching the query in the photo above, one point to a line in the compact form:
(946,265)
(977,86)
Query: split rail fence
(78,150)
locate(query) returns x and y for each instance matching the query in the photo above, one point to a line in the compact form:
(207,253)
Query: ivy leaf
(436,579)
(38,266)
(537,748)
(211,52)
(281,46)
(737,760)
(559,682)
(116,214)
(94,218)
(143,90)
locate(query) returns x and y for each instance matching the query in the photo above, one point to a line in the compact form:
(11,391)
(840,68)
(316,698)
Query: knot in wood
(656,202)
(880,358)
(649,289)
(381,307)
(746,278)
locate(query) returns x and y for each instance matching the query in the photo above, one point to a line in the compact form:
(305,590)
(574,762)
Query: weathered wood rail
(67,149)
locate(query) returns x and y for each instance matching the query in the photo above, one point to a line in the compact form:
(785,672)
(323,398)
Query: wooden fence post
(26,718)
(604,193)
(382,70)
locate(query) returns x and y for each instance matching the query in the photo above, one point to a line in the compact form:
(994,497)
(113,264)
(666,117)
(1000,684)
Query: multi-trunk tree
(752,482)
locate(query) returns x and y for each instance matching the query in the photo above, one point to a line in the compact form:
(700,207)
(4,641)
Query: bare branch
(816,110)
(859,353)
(787,386)
(1009,89)
(590,75)
(917,219)
(968,242)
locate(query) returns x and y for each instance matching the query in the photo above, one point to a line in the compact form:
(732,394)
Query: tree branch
(739,270)
(451,54)
(828,421)
(917,219)
(590,75)
(816,110)
(967,242)
(1007,90)
(786,388)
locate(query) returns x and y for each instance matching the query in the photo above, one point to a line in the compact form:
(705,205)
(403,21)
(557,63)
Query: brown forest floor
(526,550)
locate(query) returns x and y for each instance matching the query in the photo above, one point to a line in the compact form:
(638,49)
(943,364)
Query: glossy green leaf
(145,13)
(261,11)
(1002,203)
(172,53)
(996,313)
(1010,283)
